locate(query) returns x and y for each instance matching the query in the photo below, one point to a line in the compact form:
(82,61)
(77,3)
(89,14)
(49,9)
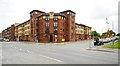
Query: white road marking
(51,58)
(11,46)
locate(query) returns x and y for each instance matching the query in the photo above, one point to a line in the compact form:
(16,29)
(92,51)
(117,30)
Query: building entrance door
(50,38)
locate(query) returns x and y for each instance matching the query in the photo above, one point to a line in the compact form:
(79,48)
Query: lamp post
(112,38)
(90,40)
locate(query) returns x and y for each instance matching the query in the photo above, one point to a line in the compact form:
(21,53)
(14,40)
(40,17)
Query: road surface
(53,53)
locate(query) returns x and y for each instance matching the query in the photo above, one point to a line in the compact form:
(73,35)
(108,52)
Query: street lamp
(107,23)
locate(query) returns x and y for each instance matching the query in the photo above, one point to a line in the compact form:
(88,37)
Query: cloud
(88,12)
(103,11)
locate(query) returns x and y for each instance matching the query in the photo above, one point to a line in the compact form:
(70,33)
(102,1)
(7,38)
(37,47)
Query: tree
(105,34)
(109,33)
(95,34)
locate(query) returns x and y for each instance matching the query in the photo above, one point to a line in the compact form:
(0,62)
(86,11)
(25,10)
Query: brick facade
(9,33)
(47,27)
(83,32)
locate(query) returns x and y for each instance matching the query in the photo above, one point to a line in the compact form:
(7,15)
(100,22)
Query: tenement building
(9,33)
(22,31)
(82,31)
(49,27)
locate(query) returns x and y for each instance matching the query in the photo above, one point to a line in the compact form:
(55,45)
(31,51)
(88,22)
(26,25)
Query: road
(53,53)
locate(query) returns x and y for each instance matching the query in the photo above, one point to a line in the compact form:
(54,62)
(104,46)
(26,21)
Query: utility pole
(107,23)
(112,36)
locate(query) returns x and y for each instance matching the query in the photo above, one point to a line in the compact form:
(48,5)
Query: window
(47,24)
(55,18)
(55,24)
(47,18)
(36,18)
(63,30)
(39,18)
(61,36)
(62,18)
(55,29)
(56,36)
(60,30)
(73,20)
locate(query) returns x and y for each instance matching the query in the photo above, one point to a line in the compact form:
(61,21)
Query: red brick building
(51,27)
(9,33)
(46,27)
(83,32)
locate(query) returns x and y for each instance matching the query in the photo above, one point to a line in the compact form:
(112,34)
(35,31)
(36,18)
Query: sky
(92,13)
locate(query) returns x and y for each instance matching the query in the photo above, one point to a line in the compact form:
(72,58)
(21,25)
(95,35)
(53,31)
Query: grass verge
(116,45)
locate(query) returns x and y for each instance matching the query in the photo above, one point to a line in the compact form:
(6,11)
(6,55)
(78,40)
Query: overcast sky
(89,12)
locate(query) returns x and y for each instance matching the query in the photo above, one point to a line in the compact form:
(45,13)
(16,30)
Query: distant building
(22,31)
(9,33)
(82,31)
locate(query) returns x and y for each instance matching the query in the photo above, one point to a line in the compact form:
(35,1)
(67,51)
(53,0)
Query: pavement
(80,52)
(100,48)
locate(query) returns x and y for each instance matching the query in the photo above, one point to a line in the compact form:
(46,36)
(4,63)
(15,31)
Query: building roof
(68,11)
(22,23)
(83,25)
(55,14)
(59,14)
(36,11)
(26,21)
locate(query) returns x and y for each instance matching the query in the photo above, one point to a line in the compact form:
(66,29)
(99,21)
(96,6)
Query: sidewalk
(100,48)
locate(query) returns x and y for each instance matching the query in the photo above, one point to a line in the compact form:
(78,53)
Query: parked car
(1,39)
(107,40)
(6,40)
(116,37)
(98,42)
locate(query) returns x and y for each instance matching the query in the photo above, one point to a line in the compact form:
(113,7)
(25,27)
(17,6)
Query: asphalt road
(49,53)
